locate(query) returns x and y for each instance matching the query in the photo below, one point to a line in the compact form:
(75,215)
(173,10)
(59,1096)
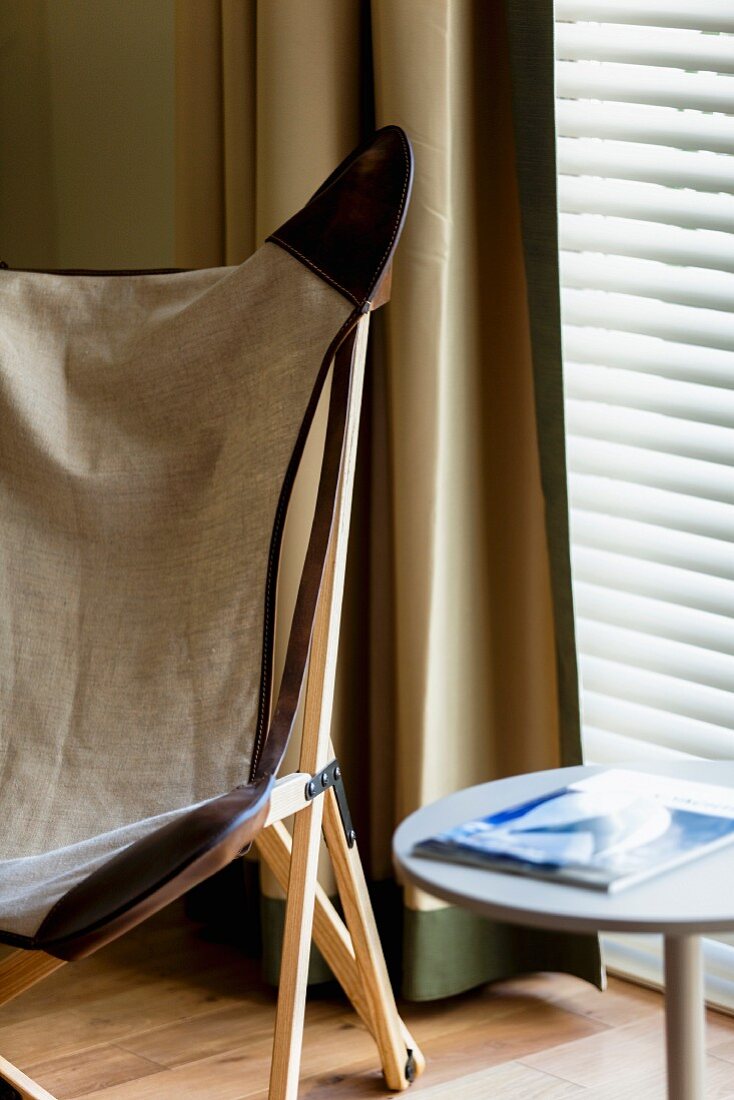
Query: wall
(86,133)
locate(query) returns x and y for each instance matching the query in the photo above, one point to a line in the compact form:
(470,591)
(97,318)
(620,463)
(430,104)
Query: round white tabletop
(682,903)
(696,897)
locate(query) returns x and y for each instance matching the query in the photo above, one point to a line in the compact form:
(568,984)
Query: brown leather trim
(149,874)
(348,231)
(14,940)
(266,671)
(269,753)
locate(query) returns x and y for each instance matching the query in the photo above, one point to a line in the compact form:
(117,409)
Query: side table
(683,904)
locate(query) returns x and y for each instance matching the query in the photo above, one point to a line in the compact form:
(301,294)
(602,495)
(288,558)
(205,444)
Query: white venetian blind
(645,113)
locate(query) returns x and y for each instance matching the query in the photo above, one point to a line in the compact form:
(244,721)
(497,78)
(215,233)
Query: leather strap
(269,753)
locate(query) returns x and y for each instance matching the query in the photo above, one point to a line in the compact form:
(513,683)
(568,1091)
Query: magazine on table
(607,831)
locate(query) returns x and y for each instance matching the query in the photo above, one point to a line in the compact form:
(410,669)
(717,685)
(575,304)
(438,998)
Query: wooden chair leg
(288,1038)
(21,969)
(15,1085)
(400,1067)
(376,1001)
(329,932)
(303,871)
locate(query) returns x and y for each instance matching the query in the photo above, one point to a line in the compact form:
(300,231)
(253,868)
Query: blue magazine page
(608,831)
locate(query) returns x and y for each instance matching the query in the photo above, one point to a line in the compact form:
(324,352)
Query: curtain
(457,656)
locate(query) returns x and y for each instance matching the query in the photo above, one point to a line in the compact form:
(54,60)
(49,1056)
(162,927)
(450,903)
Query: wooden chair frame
(351,947)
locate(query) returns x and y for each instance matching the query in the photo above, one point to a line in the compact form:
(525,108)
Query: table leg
(684,1017)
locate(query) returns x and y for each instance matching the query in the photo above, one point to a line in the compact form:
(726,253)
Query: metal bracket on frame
(331,776)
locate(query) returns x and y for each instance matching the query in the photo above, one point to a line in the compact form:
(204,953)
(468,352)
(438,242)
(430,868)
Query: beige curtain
(448,660)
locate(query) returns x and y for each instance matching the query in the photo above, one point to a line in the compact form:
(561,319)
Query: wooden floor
(164,1015)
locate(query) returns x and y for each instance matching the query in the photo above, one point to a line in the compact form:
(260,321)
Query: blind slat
(653,431)
(671,510)
(670,206)
(666,244)
(707,481)
(655,580)
(682,698)
(699,287)
(645,84)
(645,540)
(708,366)
(684,662)
(625,160)
(704,405)
(676,49)
(658,727)
(703,15)
(603,747)
(627,313)
(637,122)
(700,629)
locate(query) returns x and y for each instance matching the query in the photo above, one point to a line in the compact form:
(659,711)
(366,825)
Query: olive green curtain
(457,660)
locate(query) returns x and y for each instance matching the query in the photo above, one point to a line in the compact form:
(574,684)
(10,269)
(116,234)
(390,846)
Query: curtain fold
(456,660)
(531,56)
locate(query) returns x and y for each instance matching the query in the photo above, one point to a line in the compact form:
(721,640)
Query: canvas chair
(152,426)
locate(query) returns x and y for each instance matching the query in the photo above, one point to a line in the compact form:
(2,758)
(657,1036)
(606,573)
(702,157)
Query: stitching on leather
(378,271)
(314,267)
(398,218)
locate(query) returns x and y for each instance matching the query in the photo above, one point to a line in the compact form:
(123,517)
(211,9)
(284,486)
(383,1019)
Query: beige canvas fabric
(30,886)
(146,426)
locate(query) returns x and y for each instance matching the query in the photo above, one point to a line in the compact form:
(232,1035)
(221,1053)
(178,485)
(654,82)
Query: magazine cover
(608,831)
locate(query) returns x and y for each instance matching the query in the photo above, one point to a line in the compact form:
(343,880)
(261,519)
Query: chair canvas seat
(147,425)
(30,886)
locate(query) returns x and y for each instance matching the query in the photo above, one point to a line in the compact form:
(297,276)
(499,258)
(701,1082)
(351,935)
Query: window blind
(645,116)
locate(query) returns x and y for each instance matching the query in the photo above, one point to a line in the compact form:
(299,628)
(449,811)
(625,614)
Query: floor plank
(81,1074)
(166,1015)
(613,1007)
(724,1049)
(653,1086)
(625,1056)
(512,1080)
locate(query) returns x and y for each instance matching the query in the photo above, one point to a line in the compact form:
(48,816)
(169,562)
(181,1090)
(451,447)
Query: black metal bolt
(337,774)
(324,779)
(311,789)
(352,838)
